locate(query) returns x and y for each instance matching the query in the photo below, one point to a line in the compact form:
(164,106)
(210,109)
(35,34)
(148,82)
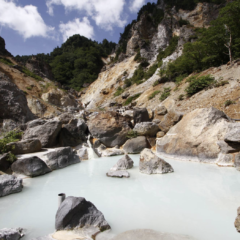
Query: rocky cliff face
(3,50)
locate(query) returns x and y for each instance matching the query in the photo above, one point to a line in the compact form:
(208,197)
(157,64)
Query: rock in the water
(10,234)
(32,167)
(197,135)
(83,153)
(46,133)
(110,128)
(9,184)
(112,152)
(4,162)
(76,212)
(61,158)
(140,115)
(169,120)
(13,103)
(25,146)
(146,129)
(123,164)
(73,133)
(237,221)
(118,174)
(136,145)
(152,164)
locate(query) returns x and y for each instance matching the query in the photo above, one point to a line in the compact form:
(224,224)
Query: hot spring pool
(198,200)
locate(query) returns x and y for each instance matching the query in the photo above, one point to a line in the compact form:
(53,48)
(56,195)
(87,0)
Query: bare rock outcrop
(3,50)
(136,145)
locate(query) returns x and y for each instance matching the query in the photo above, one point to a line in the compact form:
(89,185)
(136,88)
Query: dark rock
(110,128)
(35,123)
(135,145)
(9,184)
(32,167)
(140,115)
(118,174)
(61,158)
(152,164)
(3,50)
(11,234)
(146,129)
(125,95)
(76,212)
(4,162)
(151,141)
(96,144)
(73,133)
(25,146)
(169,120)
(65,118)
(13,103)
(237,221)
(46,133)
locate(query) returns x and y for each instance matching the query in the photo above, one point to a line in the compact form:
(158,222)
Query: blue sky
(38,26)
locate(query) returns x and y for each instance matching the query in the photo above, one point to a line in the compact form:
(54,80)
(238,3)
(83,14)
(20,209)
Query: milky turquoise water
(198,200)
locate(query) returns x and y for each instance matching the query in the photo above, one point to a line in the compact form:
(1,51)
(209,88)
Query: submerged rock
(31,167)
(25,146)
(10,234)
(136,145)
(61,158)
(118,174)
(152,164)
(76,212)
(9,184)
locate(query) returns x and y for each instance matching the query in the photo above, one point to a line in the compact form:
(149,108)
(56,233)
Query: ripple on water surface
(198,200)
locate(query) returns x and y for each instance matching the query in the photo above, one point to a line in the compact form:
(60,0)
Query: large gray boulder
(25,146)
(46,133)
(198,136)
(31,167)
(110,128)
(35,123)
(146,129)
(136,145)
(4,162)
(61,158)
(9,184)
(76,212)
(11,234)
(152,164)
(140,115)
(65,118)
(237,221)
(123,163)
(73,133)
(13,103)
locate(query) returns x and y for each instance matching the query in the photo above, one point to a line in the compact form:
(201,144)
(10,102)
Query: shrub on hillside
(165,94)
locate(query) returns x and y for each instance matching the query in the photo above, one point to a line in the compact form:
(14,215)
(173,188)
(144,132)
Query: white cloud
(25,20)
(76,26)
(136,5)
(106,13)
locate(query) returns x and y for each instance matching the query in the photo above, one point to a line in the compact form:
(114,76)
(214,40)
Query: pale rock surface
(109,152)
(11,234)
(237,221)
(9,184)
(118,174)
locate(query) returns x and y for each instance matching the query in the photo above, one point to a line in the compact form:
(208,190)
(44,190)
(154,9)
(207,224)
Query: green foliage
(156,83)
(180,78)
(29,88)
(12,136)
(221,83)
(153,95)
(6,61)
(132,134)
(196,84)
(137,77)
(183,22)
(132,98)
(150,71)
(118,92)
(228,103)
(165,94)
(181,97)
(31,74)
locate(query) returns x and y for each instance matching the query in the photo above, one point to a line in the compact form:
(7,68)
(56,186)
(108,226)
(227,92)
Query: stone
(76,212)
(123,163)
(125,95)
(146,129)
(4,162)
(237,221)
(96,143)
(13,103)
(152,164)
(61,158)
(196,136)
(169,120)
(65,118)
(160,134)
(73,133)
(233,135)
(31,167)
(110,128)
(25,146)
(237,161)
(140,115)
(11,234)
(83,153)
(9,184)
(46,133)
(228,147)
(135,145)
(226,160)
(118,174)
(35,123)
(161,110)
(112,152)
(151,141)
